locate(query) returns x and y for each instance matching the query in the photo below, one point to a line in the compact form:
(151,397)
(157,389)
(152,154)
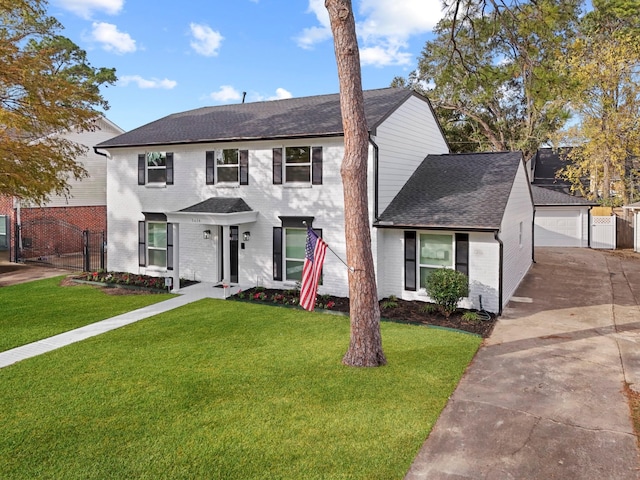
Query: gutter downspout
(500,270)
(376,153)
(95,150)
(533,238)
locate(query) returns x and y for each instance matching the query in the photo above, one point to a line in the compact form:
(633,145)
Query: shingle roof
(294,117)
(545,196)
(219,205)
(457,191)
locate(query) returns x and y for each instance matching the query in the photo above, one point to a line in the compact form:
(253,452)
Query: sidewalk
(543,398)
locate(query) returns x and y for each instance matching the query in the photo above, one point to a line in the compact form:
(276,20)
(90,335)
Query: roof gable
(457,191)
(295,117)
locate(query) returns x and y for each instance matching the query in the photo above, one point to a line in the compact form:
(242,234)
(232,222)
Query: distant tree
(365,346)
(605,63)
(47,86)
(496,66)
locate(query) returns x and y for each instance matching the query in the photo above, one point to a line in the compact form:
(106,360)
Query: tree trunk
(365,346)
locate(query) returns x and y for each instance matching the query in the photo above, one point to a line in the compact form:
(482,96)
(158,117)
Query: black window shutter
(169,168)
(142,244)
(142,160)
(277,253)
(244,167)
(462,253)
(277,166)
(410,260)
(210,167)
(316,166)
(169,246)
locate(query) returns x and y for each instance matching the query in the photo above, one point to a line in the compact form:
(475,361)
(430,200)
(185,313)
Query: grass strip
(35,310)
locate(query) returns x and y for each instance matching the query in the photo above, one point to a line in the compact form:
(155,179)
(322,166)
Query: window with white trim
(297,165)
(434,251)
(295,241)
(156,167)
(227,165)
(157,244)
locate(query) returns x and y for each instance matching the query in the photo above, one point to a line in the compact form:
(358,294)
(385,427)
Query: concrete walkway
(186,295)
(544,397)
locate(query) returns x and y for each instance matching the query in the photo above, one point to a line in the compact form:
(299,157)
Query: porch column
(226,267)
(176,258)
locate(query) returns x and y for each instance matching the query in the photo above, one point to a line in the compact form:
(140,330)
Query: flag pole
(351,269)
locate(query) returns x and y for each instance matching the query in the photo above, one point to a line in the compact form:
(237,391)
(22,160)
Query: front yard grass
(227,390)
(40,309)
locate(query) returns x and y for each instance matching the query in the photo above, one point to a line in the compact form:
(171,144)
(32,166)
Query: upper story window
(300,165)
(155,168)
(229,166)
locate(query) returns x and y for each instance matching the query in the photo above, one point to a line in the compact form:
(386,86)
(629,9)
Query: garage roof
(548,197)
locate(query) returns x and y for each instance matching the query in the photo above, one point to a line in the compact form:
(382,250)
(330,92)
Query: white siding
(198,257)
(517,246)
(484,259)
(92,190)
(404,140)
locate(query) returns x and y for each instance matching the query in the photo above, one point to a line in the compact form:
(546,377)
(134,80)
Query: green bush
(446,288)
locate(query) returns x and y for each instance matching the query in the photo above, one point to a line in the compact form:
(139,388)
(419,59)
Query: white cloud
(384,28)
(111,39)
(205,40)
(146,83)
(281,94)
(226,94)
(85,8)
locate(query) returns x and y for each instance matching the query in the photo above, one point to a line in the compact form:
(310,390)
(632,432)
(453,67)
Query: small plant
(429,308)
(446,288)
(470,316)
(241,294)
(259,289)
(330,304)
(259,296)
(389,303)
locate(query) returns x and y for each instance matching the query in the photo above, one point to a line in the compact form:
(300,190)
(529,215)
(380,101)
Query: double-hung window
(297,165)
(426,252)
(227,165)
(157,244)
(295,240)
(436,251)
(155,168)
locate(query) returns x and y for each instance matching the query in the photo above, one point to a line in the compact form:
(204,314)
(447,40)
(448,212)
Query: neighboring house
(471,212)
(634,208)
(47,226)
(223,194)
(545,167)
(561,220)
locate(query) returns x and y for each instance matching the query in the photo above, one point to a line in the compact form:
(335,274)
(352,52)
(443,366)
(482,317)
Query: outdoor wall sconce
(206,234)
(246,236)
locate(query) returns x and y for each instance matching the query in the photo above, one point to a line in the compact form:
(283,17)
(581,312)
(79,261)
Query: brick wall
(85,218)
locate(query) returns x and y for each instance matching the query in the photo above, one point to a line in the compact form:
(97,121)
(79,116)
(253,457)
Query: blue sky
(174,56)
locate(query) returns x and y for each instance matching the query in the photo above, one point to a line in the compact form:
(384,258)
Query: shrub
(389,303)
(428,308)
(470,316)
(446,288)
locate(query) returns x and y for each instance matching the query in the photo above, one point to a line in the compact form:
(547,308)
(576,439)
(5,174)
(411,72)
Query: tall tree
(365,345)
(495,64)
(605,62)
(47,86)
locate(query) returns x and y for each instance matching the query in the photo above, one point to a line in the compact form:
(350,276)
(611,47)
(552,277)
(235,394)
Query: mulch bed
(404,310)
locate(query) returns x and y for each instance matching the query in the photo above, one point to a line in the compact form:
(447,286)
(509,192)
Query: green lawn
(40,309)
(227,390)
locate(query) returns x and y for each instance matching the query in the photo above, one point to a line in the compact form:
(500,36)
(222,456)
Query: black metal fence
(58,244)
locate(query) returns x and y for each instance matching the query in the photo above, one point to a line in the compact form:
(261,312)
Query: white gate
(603,232)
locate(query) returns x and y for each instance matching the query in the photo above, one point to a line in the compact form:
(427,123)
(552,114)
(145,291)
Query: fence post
(102,250)
(85,251)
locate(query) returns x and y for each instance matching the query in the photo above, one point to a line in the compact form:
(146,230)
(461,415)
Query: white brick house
(220,194)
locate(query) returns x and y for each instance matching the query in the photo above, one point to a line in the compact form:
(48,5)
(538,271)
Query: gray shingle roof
(457,191)
(294,117)
(546,196)
(219,205)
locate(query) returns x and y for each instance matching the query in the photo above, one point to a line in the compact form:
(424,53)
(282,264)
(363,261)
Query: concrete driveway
(544,397)
(14,273)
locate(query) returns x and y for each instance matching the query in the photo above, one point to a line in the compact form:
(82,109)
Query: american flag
(314,258)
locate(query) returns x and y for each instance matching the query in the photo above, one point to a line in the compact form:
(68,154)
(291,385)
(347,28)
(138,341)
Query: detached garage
(560,220)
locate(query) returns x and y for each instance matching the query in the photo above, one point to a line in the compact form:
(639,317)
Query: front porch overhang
(208,218)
